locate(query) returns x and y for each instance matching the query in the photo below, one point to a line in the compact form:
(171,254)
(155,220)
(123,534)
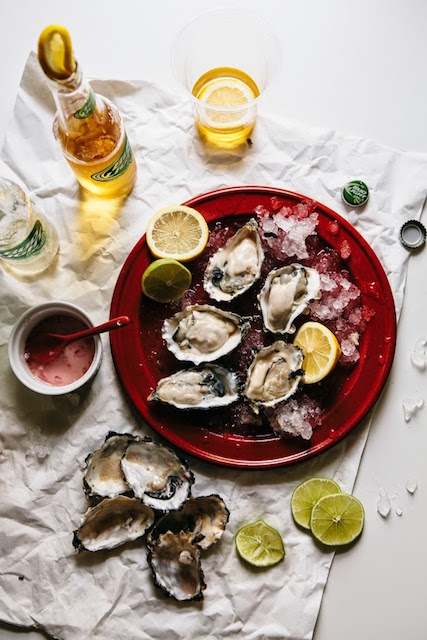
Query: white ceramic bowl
(18,339)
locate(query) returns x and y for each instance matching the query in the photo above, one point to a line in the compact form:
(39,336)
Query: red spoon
(46,346)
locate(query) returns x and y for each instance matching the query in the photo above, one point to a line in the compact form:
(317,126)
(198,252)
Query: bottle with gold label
(88,126)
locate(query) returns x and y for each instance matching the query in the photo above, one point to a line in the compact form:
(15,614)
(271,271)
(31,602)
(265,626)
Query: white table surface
(354,67)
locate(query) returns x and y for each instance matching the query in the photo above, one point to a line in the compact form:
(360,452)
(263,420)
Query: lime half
(259,544)
(307,494)
(337,519)
(165,280)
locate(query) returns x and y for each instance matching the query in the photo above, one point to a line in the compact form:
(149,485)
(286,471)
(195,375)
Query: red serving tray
(358,393)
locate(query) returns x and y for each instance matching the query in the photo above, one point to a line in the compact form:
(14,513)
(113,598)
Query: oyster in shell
(286,294)
(175,564)
(235,267)
(203,333)
(205,517)
(104,475)
(156,475)
(202,387)
(274,374)
(112,522)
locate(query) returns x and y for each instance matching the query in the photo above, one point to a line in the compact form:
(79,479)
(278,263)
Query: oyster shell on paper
(175,564)
(111,523)
(274,374)
(286,294)
(104,475)
(156,475)
(203,333)
(203,387)
(205,517)
(235,267)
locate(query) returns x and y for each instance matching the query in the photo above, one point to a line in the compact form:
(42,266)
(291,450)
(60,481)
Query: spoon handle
(114,323)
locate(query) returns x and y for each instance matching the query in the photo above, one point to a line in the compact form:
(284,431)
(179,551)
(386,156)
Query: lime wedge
(259,544)
(165,280)
(307,494)
(337,519)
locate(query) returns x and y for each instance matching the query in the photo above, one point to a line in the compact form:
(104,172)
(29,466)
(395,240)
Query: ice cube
(419,354)
(411,406)
(411,486)
(398,510)
(384,505)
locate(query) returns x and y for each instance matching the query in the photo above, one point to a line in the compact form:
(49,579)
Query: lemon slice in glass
(337,519)
(307,494)
(259,544)
(165,280)
(321,351)
(177,232)
(55,52)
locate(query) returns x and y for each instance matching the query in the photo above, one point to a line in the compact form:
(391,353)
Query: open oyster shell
(175,564)
(156,474)
(205,517)
(104,475)
(203,333)
(202,387)
(286,294)
(274,374)
(235,267)
(112,522)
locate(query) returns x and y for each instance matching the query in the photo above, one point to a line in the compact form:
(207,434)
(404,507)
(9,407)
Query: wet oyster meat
(274,374)
(235,267)
(156,475)
(202,387)
(111,523)
(203,333)
(286,294)
(175,565)
(104,475)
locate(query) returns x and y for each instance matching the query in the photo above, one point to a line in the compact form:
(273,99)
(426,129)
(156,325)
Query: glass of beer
(225,59)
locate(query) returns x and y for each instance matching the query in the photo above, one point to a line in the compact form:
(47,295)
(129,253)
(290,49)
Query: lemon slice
(307,494)
(259,544)
(337,519)
(165,280)
(55,52)
(177,232)
(321,351)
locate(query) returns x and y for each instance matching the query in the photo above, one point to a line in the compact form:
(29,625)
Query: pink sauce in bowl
(73,361)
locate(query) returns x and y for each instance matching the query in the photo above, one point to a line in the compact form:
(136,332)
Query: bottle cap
(355,193)
(413,234)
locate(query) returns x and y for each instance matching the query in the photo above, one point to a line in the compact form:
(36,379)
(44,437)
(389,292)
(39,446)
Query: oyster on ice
(286,294)
(274,374)
(235,267)
(203,333)
(205,517)
(202,387)
(112,522)
(156,475)
(175,564)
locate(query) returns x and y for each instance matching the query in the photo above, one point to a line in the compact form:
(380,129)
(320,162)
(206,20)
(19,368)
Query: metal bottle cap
(355,193)
(413,234)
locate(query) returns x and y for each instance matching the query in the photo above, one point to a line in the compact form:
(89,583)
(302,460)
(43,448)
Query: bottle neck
(74,97)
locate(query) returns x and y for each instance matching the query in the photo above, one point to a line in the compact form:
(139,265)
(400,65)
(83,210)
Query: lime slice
(337,519)
(259,544)
(307,494)
(55,52)
(165,280)
(177,232)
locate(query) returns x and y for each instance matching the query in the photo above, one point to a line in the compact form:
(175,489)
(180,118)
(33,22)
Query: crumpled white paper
(44,441)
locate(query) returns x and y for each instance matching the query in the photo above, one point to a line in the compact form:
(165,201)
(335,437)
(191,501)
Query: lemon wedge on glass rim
(177,232)
(55,52)
(321,351)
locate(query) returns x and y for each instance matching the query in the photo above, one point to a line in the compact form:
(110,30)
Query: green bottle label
(118,167)
(88,108)
(31,246)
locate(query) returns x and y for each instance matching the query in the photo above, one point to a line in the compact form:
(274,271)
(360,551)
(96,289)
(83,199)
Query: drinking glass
(225,59)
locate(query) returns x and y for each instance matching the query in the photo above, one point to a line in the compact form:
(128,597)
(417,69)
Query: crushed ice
(285,238)
(398,511)
(296,417)
(419,354)
(384,504)
(411,406)
(411,486)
